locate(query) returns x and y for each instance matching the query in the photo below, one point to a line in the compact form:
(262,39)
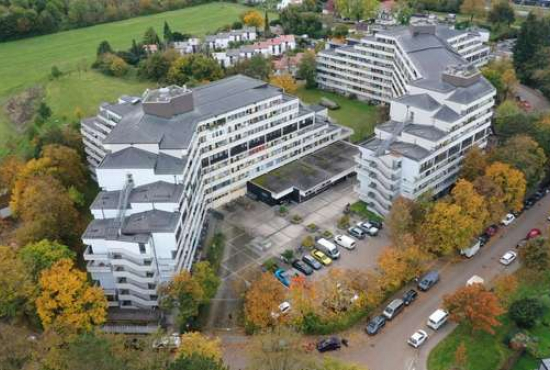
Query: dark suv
(429,280)
(329,344)
(302,267)
(375,325)
(409,297)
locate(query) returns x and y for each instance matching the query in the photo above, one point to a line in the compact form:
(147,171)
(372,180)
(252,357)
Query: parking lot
(248,223)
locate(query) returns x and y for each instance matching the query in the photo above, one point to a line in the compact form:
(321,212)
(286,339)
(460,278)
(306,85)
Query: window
(142,248)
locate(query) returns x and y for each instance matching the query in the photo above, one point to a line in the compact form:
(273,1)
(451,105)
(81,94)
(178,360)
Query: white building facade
(164,159)
(222,40)
(274,47)
(380,66)
(446,108)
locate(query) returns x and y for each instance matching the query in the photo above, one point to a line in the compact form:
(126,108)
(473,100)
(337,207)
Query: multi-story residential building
(164,159)
(190,46)
(222,40)
(379,67)
(446,108)
(273,47)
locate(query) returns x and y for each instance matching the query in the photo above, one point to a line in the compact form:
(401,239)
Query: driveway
(538,101)
(388,350)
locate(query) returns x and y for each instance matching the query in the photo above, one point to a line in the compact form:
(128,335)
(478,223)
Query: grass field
(28,62)
(489,352)
(357,115)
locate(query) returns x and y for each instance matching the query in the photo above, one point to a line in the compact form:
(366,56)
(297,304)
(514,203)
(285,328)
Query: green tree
(307,70)
(197,362)
(15,284)
(150,37)
(526,312)
(155,67)
(502,13)
(207,278)
(183,293)
(43,113)
(474,164)
(536,254)
(55,72)
(42,255)
(104,48)
(533,36)
(258,67)
(194,68)
(167,32)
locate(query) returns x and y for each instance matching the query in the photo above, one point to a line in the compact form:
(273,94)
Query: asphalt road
(388,350)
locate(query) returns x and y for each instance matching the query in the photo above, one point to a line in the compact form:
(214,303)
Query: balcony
(136,288)
(147,303)
(89,255)
(135,277)
(98,266)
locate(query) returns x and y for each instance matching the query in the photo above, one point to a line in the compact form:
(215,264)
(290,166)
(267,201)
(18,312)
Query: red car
(533,234)
(491,230)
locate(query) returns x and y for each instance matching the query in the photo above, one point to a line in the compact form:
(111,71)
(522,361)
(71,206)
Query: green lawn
(28,62)
(488,352)
(357,115)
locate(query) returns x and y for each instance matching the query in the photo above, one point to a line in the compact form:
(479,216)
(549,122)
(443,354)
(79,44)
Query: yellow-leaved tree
(67,300)
(196,343)
(264,297)
(285,81)
(472,204)
(253,18)
(510,181)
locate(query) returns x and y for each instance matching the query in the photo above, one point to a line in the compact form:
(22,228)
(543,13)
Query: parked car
(357,232)
(345,241)
(508,219)
(328,248)
(491,230)
(321,257)
(368,228)
(472,250)
(409,297)
(418,338)
(393,309)
(280,275)
(428,280)
(484,239)
(508,258)
(167,342)
(522,243)
(302,267)
(528,203)
(533,233)
(312,262)
(438,319)
(329,344)
(379,225)
(284,308)
(375,325)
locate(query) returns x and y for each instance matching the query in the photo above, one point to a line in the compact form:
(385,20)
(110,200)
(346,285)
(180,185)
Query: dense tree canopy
(42,255)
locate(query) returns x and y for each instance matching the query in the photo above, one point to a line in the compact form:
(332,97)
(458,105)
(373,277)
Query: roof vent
(168,101)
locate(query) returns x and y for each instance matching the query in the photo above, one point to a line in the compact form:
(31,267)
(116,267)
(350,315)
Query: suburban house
(273,47)
(440,107)
(222,40)
(379,67)
(190,46)
(165,158)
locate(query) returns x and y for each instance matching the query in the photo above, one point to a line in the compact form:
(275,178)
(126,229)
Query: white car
(284,308)
(345,241)
(418,338)
(368,228)
(170,342)
(508,219)
(508,258)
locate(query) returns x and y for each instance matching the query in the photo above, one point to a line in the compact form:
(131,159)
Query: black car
(528,203)
(329,344)
(302,267)
(409,297)
(522,243)
(375,325)
(377,224)
(484,239)
(312,262)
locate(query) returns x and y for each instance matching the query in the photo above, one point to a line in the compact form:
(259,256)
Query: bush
(296,219)
(214,253)
(343,222)
(315,325)
(55,73)
(308,242)
(283,210)
(327,234)
(312,228)
(288,255)
(526,312)
(270,265)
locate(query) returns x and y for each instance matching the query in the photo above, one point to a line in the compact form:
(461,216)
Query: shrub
(312,228)
(270,265)
(308,242)
(343,222)
(296,219)
(327,234)
(283,210)
(526,312)
(288,255)
(55,73)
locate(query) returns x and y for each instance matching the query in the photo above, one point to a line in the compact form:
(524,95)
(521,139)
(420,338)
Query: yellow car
(321,257)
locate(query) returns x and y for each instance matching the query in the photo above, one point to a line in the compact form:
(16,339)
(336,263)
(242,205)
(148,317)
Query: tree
(510,181)
(67,164)
(285,81)
(307,69)
(279,349)
(167,32)
(150,37)
(494,197)
(542,127)
(400,220)
(184,294)
(504,287)
(357,9)
(297,22)
(46,212)
(195,343)
(474,164)
(16,351)
(526,312)
(267,30)
(303,297)
(55,73)
(398,266)
(207,278)
(474,8)
(502,13)
(536,254)
(502,76)
(42,255)
(253,18)
(155,67)
(67,300)
(472,204)
(262,298)
(524,153)
(43,113)
(10,167)
(194,68)
(104,48)
(533,37)
(196,362)
(15,284)
(475,307)
(257,66)
(447,229)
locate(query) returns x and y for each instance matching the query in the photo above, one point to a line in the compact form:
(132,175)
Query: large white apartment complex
(381,66)
(441,107)
(162,160)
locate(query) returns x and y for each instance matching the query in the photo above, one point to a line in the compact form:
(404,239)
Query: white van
(438,319)
(472,251)
(345,241)
(328,248)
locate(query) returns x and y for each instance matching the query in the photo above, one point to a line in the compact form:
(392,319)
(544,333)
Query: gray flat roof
(157,192)
(210,100)
(312,170)
(420,101)
(446,114)
(132,157)
(411,151)
(466,95)
(425,131)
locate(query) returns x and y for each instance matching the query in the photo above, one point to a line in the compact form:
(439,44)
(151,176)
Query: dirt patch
(21,108)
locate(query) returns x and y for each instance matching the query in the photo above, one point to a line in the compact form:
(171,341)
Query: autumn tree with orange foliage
(285,81)
(476,307)
(253,18)
(67,301)
(303,297)
(262,298)
(471,203)
(195,343)
(398,266)
(68,165)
